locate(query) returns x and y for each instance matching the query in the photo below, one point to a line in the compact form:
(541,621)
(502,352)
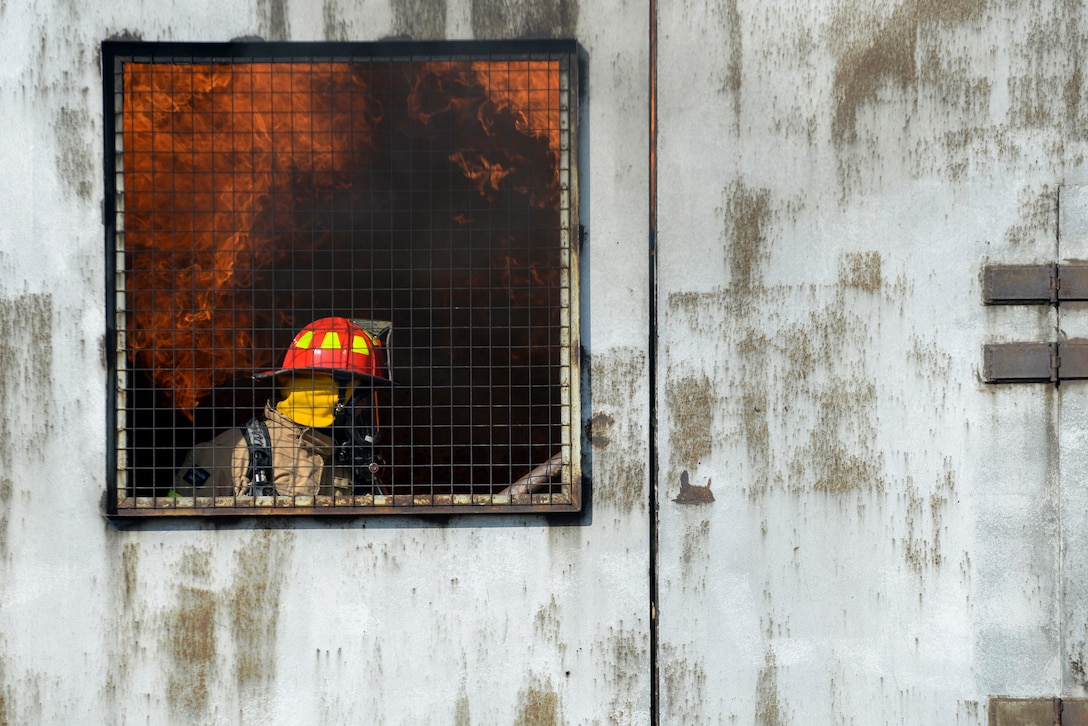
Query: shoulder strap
(260,457)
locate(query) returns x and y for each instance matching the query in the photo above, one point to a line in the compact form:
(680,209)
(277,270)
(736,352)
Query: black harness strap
(260,458)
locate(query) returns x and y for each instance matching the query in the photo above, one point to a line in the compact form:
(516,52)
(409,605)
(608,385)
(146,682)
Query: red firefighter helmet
(342,347)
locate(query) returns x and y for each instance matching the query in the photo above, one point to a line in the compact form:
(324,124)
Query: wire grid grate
(254,195)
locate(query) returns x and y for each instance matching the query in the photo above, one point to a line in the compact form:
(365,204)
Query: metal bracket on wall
(1006,711)
(1034,284)
(1036,362)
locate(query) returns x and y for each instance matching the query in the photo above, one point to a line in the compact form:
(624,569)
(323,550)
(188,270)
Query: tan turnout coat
(302,462)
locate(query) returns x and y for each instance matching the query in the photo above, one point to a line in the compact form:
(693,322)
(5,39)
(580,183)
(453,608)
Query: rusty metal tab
(1075,712)
(1020,362)
(1034,284)
(1025,711)
(1073,360)
(1073,282)
(1019,284)
(1036,362)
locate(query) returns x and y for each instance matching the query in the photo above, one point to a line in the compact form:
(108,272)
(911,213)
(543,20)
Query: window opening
(343,277)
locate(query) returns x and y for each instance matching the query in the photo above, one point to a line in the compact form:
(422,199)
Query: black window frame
(564,497)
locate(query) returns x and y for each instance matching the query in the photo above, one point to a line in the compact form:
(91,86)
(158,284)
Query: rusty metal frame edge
(338,511)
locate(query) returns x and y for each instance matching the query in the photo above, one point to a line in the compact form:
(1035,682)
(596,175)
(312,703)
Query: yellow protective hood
(310,400)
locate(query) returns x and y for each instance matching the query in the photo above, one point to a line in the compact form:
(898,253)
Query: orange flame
(209,150)
(215,156)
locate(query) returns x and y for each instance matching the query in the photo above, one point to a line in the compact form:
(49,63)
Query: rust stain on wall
(1038,211)
(524,19)
(335,28)
(1078,664)
(798,376)
(7,702)
(5,507)
(272,19)
(769,711)
(420,19)
(1046,85)
(461,715)
(925,522)
(75,159)
(191,644)
(860,270)
(546,622)
(619,471)
(837,457)
(747,218)
(538,705)
(684,683)
(691,402)
(886,55)
(626,661)
(27,394)
(130,561)
(695,547)
(731,77)
(253,604)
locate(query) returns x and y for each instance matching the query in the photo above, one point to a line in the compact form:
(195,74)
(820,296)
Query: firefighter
(319,437)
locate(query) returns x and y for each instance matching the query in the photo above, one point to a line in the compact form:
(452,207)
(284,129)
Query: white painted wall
(890,541)
(380,621)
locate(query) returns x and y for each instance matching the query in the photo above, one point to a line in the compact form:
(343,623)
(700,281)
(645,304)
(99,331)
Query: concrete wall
(394,621)
(891,540)
(851,528)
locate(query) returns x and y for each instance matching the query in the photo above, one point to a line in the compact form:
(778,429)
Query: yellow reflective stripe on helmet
(304,340)
(331,341)
(358,345)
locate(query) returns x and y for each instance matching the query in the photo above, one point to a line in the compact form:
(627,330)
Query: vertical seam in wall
(1060,606)
(652,362)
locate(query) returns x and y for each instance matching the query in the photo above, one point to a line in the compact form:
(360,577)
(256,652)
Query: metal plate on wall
(1034,284)
(1036,362)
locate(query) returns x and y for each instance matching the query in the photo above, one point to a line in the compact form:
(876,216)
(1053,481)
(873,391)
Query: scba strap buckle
(260,458)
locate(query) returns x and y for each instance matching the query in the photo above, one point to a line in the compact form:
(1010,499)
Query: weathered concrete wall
(393,621)
(890,539)
(852,527)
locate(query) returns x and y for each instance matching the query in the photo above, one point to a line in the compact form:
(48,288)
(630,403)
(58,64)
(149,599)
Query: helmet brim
(334,372)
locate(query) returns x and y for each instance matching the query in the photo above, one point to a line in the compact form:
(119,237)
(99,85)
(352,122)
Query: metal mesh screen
(425,194)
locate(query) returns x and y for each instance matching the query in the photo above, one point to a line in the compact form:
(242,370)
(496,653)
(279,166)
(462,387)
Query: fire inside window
(343,278)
